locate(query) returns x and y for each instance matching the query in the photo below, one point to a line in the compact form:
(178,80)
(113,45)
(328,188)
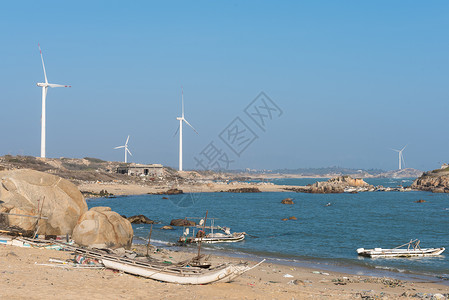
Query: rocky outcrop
(102,228)
(34,193)
(182,222)
(340,184)
(174,192)
(436,181)
(287,201)
(140,219)
(244,190)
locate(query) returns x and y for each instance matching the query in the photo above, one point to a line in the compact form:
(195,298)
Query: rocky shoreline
(436,181)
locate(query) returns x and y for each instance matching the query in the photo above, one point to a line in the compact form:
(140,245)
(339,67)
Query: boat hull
(400,252)
(225,273)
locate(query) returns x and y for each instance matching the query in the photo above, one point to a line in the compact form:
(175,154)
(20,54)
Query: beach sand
(121,189)
(22,277)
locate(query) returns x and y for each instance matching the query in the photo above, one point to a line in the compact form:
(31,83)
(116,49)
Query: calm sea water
(326,236)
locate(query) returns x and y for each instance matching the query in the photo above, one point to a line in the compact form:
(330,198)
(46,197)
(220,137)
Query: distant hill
(409,172)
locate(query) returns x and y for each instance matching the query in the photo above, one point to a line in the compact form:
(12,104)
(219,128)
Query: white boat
(180,275)
(211,237)
(413,249)
(214,238)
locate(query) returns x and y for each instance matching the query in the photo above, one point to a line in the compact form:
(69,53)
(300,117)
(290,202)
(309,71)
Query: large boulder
(29,192)
(102,228)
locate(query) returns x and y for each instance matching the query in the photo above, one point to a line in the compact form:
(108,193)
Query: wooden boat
(214,238)
(211,237)
(184,275)
(413,249)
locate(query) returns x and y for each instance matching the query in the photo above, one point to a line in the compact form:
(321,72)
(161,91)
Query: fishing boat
(413,249)
(180,275)
(211,237)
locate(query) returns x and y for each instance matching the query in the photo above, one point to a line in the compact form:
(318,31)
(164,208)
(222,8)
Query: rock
(140,219)
(26,191)
(174,192)
(420,201)
(436,181)
(244,190)
(284,219)
(336,185)
(102,228)
(164,198)
(182,222)
(167,227)
(293,218)
(287,201)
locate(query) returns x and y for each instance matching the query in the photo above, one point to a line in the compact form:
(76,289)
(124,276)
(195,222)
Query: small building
(154,170)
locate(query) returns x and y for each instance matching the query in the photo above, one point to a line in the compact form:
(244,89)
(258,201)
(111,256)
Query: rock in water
(287,201)
(244,190)
(139,219)
(102,228)
(182,222)
(25,191)
(174,192)
(167,227)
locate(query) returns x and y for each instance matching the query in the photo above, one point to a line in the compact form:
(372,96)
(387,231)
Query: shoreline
(318,264)
(26,269)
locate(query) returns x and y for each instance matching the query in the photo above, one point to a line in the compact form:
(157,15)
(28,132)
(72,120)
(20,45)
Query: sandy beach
(26,273)
(121,189)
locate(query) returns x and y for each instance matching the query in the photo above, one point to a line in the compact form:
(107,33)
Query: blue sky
(352,78)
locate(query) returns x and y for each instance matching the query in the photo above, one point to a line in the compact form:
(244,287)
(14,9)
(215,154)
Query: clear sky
(352,79)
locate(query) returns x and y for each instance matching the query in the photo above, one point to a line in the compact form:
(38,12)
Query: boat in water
(413,249)
(200,236)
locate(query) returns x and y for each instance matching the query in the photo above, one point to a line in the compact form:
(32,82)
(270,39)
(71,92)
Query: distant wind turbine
(45,86)
(401,156)
(182,119)
(126,149)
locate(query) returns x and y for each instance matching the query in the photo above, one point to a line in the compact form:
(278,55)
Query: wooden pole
(201,239)
(149,239)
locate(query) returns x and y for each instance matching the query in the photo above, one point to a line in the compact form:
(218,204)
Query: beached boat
(180,275)
(413,249)
(211,237)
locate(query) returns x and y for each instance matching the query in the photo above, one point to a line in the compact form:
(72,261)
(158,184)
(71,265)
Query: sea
(323,236)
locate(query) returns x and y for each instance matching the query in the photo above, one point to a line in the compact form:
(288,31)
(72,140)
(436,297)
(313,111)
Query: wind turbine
(401,156)
(126,149)
(45,86)
(182,119)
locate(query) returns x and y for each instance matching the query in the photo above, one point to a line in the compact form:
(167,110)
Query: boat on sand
(413,249)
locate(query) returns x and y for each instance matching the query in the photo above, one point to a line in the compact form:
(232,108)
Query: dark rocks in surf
(140,219)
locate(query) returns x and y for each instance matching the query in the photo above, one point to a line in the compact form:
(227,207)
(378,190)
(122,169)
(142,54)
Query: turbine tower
(401,156)
(45,86)
(126,149)
(182,119)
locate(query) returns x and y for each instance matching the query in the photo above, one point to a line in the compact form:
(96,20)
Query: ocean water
(326,236)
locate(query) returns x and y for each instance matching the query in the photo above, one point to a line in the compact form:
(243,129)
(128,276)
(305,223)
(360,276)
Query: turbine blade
(43,65)
(182,101)
(127,140)
(404,147)
(395,150)
(403,160)
(119,147)
(190,125)
(52,85)
(176,131)
(129,152)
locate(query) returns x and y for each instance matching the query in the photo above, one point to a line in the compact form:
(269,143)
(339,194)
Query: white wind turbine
(401,156)
(182,119)
(126,149)
(45,86)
